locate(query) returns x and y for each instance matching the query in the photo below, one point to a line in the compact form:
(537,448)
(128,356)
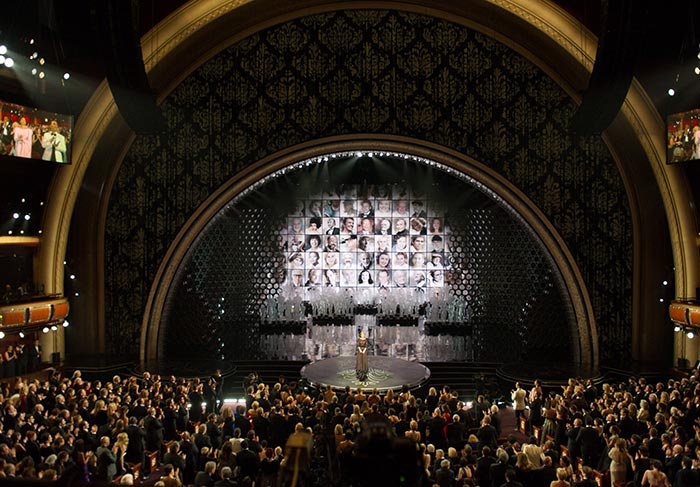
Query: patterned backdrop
(508,291)
(369,71)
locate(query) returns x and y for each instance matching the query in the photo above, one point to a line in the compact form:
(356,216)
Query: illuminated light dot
(9,62)
(45,329)
(3,49)
(15,215)
(671,92)
(66,75)
(42,75)
(34,71)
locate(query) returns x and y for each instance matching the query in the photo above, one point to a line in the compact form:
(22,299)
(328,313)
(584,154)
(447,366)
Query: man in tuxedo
(34,356)
(54,144)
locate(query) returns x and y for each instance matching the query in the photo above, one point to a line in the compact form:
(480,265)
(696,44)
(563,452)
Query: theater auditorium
(350,243)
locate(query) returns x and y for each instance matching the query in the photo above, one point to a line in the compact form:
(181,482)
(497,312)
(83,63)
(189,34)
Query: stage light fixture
(42,61)
(661,300)
(41,75)
(676,328)
(3,49)
(72,276)
(9,62)
(697,70)
(15,215)
(66,76)
(691,335)
(34,71)
(2,335)
(54,328)
(21,334)
(671,92)
(9,232)
(66,324)
(45,329)
(27,217)
(665,283)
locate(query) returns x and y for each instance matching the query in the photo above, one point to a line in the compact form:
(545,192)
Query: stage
(384,373)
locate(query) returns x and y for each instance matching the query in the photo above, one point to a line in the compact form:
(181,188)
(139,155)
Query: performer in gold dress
(361,364)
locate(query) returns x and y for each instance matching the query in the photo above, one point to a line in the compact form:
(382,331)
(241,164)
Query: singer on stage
(361,364)
(54,144)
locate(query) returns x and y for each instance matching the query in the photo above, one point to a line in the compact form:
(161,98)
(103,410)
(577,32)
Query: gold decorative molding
(20,241)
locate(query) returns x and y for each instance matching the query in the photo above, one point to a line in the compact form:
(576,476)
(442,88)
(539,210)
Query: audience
(74,431)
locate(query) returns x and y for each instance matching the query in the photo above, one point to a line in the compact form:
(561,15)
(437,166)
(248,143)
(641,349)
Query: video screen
(683,136)
(31,133)
(382,236)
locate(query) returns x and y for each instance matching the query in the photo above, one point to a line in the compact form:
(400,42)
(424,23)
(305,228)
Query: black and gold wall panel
(369,71)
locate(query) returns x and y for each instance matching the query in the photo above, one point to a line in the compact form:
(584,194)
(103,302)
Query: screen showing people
(385,236)
(31,133)
(683,136)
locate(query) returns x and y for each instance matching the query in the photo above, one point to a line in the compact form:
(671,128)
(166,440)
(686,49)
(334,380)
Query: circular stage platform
(384,373)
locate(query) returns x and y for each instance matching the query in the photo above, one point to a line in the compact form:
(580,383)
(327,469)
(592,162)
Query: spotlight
(9,62)
(2,59)
(41,75)
(65,324)
(661,300)
(45,329)
(3,49)
(9,232)
(77,294)
(21,334)
(42,61)
(72,276)
(34,71)
(54,328)
(66,75)
(2,335)
(697,70)
(671,92)
(676,328)
(15,215)
(27,217)
(665,283)
(691,335)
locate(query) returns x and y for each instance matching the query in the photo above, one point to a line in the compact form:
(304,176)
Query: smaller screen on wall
(31,133)
(381,236)
(683,136)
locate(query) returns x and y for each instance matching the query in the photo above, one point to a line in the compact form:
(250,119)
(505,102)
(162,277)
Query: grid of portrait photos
(382,236)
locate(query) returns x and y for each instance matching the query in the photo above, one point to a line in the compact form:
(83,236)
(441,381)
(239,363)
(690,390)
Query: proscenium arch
(538,29)
(585,351)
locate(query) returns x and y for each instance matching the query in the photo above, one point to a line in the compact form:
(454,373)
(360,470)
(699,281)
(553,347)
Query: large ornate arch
(586,352)
(540,30)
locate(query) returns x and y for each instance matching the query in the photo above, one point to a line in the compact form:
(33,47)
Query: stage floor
(384,373)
